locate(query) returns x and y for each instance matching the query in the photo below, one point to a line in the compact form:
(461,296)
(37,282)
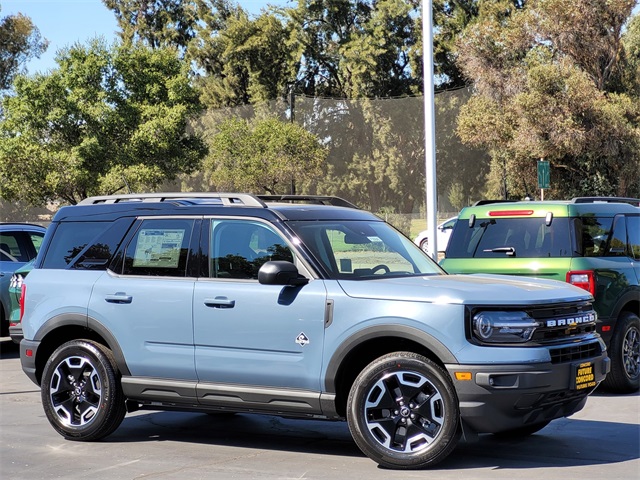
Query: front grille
(575,353)
(563,322)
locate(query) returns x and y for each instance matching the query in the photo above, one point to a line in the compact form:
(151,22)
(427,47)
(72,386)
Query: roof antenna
(124,179)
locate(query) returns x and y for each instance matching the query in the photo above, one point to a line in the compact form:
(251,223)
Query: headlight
(504,327)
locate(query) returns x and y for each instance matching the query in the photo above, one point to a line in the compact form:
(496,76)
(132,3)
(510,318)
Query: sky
(66,22)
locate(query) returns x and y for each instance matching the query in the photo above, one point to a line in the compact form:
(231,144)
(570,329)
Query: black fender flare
(80,320)
(378,331)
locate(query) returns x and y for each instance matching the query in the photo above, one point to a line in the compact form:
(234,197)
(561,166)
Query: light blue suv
(294,306)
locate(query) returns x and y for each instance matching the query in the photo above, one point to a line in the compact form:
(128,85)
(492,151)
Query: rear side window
(160,247)
(19,246)
(513,237)
(633,229)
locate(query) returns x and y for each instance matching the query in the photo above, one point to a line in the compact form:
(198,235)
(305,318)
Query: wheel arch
(366,345)
(64,328)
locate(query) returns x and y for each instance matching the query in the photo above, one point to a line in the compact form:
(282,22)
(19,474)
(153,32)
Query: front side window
(160,247)
(358,250)
(238,248)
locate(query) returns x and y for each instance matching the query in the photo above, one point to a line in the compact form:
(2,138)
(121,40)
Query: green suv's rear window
(519,237)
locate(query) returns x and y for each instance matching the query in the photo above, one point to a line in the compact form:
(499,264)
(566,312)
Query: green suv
(591,242)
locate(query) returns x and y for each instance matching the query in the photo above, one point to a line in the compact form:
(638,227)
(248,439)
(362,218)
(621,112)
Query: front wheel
(403,412)
(624,351)
(81,392)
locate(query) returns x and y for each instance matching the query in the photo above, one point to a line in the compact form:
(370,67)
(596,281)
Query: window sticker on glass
(158,248)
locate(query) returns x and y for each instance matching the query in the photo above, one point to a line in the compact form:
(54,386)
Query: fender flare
(378,331)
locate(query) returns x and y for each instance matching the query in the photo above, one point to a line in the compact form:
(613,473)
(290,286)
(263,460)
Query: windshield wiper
(510,251)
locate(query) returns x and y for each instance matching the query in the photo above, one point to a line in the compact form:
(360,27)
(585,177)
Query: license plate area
(583,376)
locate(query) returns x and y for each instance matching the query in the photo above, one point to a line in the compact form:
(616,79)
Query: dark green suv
(591,242)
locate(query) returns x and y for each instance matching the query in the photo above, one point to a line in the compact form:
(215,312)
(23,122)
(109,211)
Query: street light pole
(429,127)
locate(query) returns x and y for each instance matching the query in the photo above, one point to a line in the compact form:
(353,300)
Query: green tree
(105,120)
(20,41)
(551,81)
(245,60)
(155,23)
(263,155)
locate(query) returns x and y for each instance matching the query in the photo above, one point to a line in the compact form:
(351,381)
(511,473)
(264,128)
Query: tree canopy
(263,155)
(20,41)
(107,119)
(554,81)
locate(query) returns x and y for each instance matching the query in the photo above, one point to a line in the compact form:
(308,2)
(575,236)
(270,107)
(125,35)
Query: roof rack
(318,199)
(632,201)
(231,199)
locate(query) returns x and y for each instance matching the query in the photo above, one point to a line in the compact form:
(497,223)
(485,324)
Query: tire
(81,391)
(424,245)
(403,412)
(624,351)
(522,432)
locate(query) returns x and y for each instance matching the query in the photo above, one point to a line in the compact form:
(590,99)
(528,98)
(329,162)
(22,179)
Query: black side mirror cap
(281,272)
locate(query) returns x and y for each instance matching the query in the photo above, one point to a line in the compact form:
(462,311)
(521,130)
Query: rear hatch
(516,239)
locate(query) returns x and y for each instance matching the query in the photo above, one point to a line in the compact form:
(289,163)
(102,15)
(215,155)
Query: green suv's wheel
(403,411)
(81,391)
(624,351)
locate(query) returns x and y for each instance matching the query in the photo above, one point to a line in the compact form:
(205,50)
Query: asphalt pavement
(600,442)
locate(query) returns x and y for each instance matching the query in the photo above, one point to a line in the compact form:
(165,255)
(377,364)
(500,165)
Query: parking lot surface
(600,442)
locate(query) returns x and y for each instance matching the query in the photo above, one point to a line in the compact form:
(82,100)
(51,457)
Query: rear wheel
(403,411)
(81,391)
(624,351)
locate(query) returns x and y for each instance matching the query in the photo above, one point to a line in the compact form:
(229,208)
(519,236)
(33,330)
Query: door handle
(119,297)
(219,302)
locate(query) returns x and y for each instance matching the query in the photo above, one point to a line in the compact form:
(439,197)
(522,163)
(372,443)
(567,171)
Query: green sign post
(543,176)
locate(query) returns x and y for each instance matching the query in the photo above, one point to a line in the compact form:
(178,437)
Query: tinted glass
(160,247)
(363,250)
(633,230)
(19,246)
(592,234)
(70,239)
(515,237)
(239,248)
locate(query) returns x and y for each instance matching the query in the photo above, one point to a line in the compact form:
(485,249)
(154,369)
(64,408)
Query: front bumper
(499,398)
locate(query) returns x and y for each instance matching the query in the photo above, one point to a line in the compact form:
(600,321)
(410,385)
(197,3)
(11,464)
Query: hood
(476,289)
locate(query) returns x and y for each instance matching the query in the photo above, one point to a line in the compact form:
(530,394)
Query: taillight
(583,279)
(23,293)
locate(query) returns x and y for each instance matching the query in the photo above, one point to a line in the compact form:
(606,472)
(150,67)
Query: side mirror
(281,272)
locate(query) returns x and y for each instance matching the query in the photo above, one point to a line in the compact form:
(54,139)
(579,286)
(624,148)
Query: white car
(443,232)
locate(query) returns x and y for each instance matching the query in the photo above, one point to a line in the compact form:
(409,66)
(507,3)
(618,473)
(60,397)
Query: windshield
(363,249)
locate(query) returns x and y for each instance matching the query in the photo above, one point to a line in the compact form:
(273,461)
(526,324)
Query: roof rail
(632,201)
(227,199)
(319,199)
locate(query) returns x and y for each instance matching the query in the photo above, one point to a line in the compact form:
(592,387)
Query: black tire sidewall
(400,361)
(102,423)
(618,380)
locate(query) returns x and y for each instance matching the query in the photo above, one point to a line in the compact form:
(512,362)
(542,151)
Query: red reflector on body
(606,328)
(508,213)
(28,353)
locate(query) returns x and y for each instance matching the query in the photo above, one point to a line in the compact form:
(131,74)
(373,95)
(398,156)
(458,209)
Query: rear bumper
(505,397)
(15,332)
(28,351)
